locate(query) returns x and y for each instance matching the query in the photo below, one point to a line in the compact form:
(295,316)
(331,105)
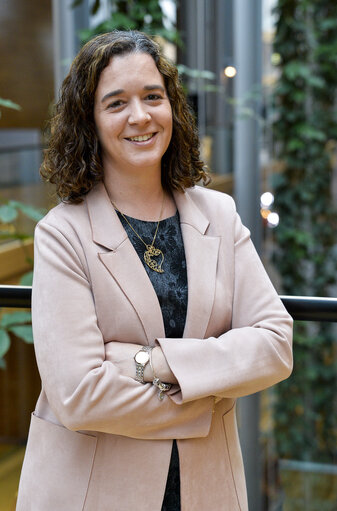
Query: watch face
(142,357)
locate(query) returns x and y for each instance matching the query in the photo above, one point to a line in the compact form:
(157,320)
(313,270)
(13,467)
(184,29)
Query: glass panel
(298,427)
(20,159)
(298,421)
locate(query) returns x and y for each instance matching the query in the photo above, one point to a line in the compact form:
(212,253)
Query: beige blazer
(100,441)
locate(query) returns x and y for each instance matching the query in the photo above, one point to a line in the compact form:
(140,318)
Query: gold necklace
(150,251)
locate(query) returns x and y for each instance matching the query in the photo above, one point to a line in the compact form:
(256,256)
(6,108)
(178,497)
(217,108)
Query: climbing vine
(305,132)
(144,15)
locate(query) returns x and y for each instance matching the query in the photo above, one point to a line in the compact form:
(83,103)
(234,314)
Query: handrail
(16,296)
(311,308)
(301,308)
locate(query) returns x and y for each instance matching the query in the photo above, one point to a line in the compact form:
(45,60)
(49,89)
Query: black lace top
(171,289)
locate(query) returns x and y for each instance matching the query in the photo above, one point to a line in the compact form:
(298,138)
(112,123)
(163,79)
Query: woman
(151,310)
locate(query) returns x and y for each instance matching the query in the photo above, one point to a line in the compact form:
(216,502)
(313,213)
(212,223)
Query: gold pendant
(150,252)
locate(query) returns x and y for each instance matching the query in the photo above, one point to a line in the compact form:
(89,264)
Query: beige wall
(26,68)
(26,77)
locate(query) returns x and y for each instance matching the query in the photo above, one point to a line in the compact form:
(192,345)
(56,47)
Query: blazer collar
(189,212)
(102,213)
(106,227)
(201,252)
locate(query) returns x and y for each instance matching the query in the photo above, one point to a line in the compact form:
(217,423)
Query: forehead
(128,71)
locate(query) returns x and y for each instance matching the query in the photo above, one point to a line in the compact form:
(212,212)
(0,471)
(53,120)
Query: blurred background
(261,78)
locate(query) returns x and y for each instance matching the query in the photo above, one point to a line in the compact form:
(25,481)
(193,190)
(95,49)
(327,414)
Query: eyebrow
(153,87)
(120,91)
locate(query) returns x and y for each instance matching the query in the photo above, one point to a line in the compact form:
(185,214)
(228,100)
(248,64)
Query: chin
(147,163)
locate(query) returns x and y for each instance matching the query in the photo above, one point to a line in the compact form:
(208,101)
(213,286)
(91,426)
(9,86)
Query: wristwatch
(142,357)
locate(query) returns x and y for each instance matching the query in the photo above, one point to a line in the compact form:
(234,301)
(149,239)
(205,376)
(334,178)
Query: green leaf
(122,21)
(213,88)
(27,279)
(7,214)
(66,62)
(296,69)
(328,23)
(295,144)
(95,7)
(30,212)
(15,318)
(24,332)
(245,113)
(6,235)
(85,34)
(298,96)
(195,73)
(311,133)
(7,103)
(2,363)
(5,342)
(76,3)
(317,82)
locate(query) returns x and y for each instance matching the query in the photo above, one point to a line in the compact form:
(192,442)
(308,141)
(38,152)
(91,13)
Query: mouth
(141,138)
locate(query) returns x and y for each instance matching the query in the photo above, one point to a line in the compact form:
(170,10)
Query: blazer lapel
(123,262)
(201,252)
(124,265)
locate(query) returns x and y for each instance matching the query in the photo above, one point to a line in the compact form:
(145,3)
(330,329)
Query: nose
(138,113)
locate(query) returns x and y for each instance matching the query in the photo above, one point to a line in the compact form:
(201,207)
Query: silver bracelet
(162,387)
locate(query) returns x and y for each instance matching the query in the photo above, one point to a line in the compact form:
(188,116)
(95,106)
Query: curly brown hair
(73,159)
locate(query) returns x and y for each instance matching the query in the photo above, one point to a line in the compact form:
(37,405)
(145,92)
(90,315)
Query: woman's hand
(161,368)
(121,354)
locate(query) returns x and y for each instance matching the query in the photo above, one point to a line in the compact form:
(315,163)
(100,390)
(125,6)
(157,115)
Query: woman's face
(132,114)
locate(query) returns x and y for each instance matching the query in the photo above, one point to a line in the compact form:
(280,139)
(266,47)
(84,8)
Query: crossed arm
(122,355)
(90,384)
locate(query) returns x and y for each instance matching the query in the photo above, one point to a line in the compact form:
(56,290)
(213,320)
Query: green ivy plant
(18,322)
(144,15)
(305,133)
(7,103)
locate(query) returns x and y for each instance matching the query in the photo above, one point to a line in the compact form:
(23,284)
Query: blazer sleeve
(86,391)
(254,354)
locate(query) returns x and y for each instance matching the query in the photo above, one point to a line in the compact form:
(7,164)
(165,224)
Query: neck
(139,196)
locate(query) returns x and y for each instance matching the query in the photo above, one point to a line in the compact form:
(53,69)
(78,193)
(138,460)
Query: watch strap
(141,367)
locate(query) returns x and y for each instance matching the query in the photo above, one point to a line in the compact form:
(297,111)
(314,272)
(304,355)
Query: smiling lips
(141,138)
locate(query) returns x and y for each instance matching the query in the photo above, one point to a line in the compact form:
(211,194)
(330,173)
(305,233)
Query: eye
(115,104)
(153,97)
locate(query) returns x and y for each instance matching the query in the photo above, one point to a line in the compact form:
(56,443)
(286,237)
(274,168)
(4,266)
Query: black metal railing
(16,296)
(301,308)
(311,308)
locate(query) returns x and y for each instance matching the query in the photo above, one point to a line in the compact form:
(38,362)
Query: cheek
(97,127)
(171,129)
(98,133)
(168,120)
(103,130)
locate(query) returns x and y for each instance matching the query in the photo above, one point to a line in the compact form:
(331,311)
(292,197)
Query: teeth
(141,138)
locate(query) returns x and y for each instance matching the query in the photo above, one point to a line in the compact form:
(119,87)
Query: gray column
(247,59)
(200,54)
(66,23)
(207,33)
(217,105)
